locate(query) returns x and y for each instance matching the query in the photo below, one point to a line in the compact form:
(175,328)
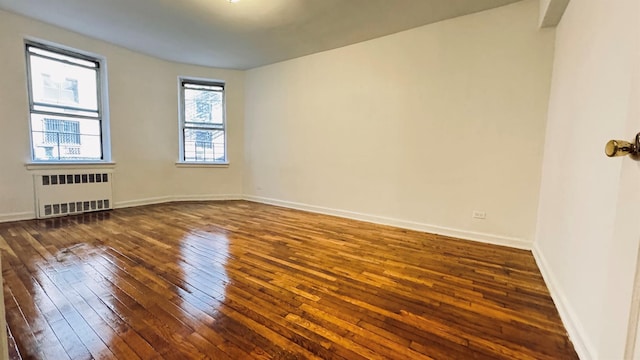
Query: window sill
(69,165)
(202,165)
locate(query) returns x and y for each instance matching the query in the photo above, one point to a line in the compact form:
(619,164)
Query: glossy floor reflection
(240,280)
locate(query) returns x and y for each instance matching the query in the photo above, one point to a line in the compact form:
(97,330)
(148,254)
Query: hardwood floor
(241,280)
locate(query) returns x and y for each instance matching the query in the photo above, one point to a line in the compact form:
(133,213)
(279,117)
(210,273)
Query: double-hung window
(65,105)
(202,121)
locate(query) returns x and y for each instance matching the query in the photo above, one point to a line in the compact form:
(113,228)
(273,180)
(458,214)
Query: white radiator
(72,192)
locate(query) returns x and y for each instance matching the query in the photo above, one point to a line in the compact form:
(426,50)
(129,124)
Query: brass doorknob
(619,148)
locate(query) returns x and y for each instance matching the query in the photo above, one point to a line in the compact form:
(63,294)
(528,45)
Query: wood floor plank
(242,280)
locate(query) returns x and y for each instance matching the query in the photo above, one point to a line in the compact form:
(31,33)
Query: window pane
(203,106)
(64,138)
(204,145)
(57,83)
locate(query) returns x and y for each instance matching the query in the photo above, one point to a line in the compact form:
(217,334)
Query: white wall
(143,95)
(588,228)
(416,129)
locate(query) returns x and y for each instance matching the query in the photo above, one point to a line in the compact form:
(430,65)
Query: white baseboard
(569,318)
(141,202)
(28,215)
(411,225)
(462,234)
(171,198)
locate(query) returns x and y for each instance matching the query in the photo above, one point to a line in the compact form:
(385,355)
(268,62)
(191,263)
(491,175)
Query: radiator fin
(74,179)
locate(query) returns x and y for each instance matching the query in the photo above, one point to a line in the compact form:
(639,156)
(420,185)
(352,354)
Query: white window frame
(102,93)
(182,123)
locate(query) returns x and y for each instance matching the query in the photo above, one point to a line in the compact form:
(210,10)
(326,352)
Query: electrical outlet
(479,214)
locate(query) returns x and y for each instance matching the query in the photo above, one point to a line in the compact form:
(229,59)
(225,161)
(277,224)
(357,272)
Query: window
(202,120)
(65,105)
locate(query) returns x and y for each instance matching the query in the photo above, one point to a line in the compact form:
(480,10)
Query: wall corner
(551,12)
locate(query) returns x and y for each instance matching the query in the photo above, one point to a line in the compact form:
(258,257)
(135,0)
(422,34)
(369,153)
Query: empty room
(320,179)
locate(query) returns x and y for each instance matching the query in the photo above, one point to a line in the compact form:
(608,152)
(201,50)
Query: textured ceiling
(245,34)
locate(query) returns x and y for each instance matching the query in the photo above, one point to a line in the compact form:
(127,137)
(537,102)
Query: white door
(628,214)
